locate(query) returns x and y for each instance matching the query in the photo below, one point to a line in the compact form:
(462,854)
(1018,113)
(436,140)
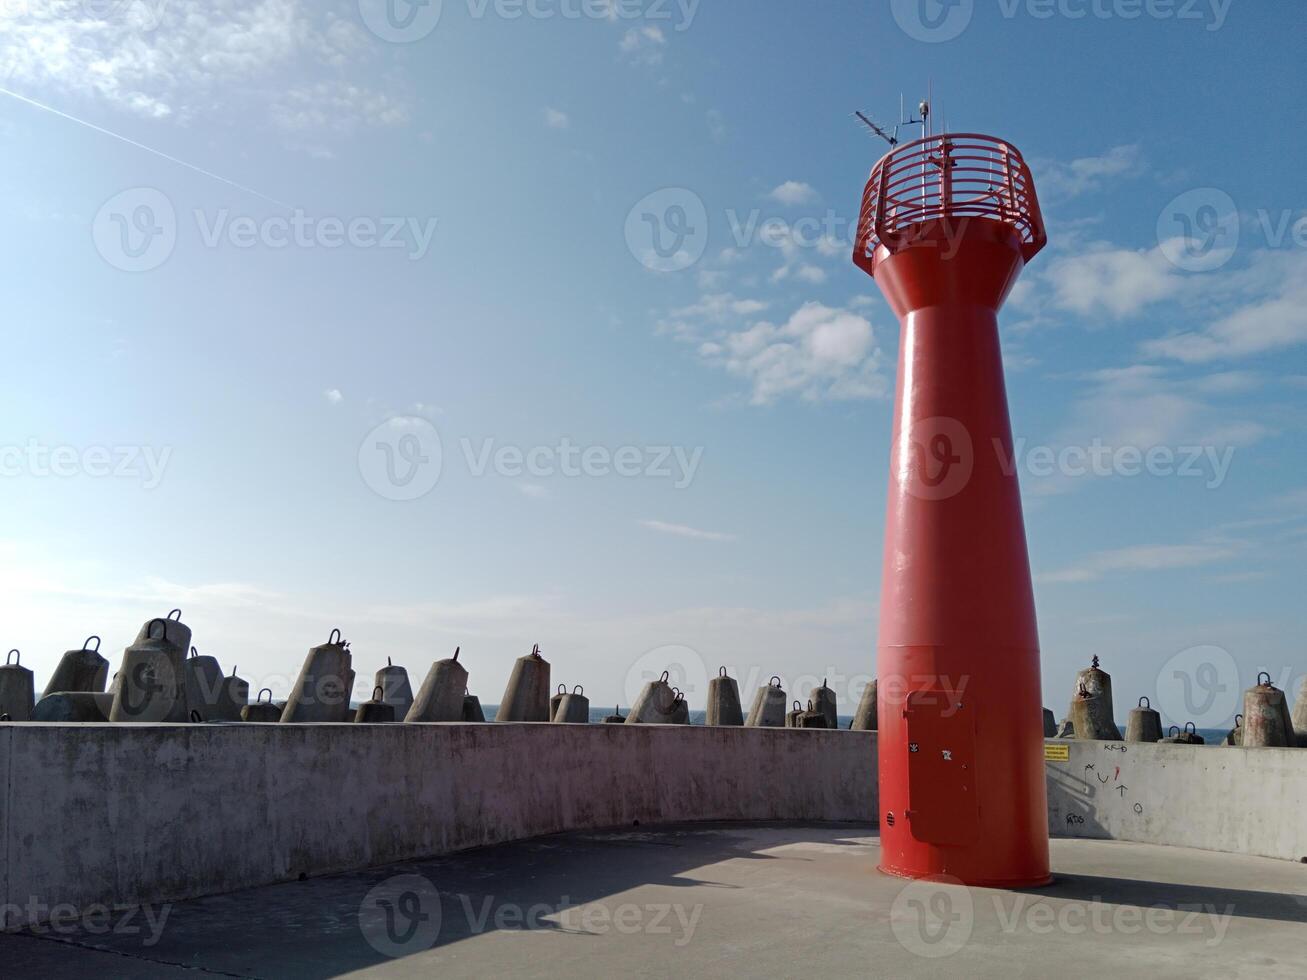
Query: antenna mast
(922,119)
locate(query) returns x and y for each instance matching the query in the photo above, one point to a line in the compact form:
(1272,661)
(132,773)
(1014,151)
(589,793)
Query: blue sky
(310,261)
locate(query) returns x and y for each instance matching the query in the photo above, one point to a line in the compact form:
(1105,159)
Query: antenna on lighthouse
(922,119)
(892,140)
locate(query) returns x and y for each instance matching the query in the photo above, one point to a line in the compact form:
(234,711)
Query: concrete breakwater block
(1144,724)
(1299,716)
(656,704)
(809,717)
(472,711)
(262,712)
(616,717)
(680,709)
(1050,724)
(441,696)
(204,680)
(17,689)
(526,698)
(175,633)
(1235,734)
(234,696)
(397,692)
(66,706)
(823,700)
(80,670)
(556,699)
(1091,706)
(815,717)
(574,708)
(793,715)
(375,711)
(1186,736)
(151,685)
(768,709)
(321,692)
(1266,719)
(724,701)
(865,718)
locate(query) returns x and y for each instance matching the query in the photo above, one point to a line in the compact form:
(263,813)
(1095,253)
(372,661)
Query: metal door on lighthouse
(942,799)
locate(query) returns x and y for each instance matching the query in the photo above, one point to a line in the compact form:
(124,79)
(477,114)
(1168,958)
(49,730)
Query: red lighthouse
(948,222)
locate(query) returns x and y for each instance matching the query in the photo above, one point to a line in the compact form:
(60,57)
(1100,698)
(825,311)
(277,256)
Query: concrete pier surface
(710,901)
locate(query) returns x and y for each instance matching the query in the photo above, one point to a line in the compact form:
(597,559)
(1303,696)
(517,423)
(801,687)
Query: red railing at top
(951,178)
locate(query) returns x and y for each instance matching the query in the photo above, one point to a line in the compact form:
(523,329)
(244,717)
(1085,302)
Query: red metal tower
(948,222)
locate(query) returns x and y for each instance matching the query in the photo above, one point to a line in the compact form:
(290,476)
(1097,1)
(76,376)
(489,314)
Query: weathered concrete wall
(125,814)
(1247,801)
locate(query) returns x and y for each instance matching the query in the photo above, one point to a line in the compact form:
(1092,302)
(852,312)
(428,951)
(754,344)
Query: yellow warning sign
(1057,753)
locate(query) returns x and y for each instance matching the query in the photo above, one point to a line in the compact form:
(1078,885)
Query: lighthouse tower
(948,222)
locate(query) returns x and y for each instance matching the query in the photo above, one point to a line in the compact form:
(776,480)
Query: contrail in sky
(141,146)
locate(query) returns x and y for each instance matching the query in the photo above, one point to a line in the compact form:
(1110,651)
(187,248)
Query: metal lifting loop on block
(196,717)
(259,698)
(1145,703)
(14,657)
(334,637)
(194,653)
(149,630)
(1173,731)
(176,614)
(1264,683)
(578,689)
(87,644)
(1190,728)
(775,681)
(378,693)
(667,677)
(721,672)
(1238,721)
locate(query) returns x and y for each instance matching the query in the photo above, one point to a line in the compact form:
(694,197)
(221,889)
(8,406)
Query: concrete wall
(125,814)
(1247,801)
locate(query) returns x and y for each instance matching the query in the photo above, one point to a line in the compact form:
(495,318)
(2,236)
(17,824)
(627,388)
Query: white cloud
(334,106)
(1272,321)
(334,396)
(644,45)
(1117,281)
(794,192)
(1057,180)
(303,67)
(556,118)
(1146,558)
(713,308)
(1238,312)
(1143,406)
(683,531)
(820,353)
